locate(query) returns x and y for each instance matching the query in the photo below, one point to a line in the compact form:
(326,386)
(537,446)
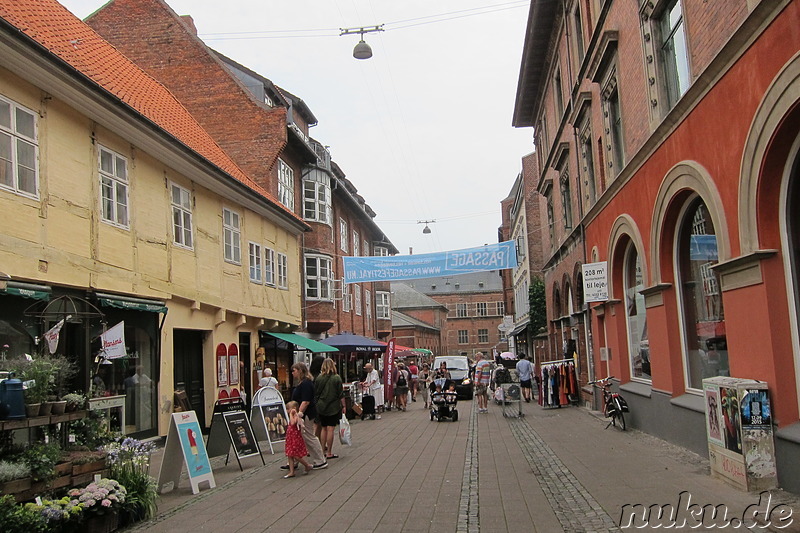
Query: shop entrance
(187,353)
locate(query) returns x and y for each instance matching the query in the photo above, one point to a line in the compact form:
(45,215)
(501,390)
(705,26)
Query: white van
(458,366)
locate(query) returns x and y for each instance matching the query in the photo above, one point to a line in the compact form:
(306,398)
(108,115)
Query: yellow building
(118,206)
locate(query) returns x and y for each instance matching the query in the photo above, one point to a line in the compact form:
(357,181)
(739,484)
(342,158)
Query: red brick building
(668,135)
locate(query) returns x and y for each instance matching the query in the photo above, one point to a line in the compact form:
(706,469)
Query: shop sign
(595,282)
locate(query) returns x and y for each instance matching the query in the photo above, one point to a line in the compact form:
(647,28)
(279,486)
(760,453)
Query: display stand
(741,449)
(268,416)
(541,386)
(184,441)
(231,427)
(107,403)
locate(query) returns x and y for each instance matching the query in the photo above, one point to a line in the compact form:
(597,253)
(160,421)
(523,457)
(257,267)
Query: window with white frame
(317,197)
(269,266)
(381,251)
(461,310)
(463,336)
(483,335)
(113,187)
(285,184)
(481,309)
(368,303)
(667,57)
(365,249)
(501,308)
(283,271)
(344,234)
(347,297)
(357,298)
(254,256)
(232,236)
(383,310)
(182,216)
(356,243)
(319,277)
(19,148)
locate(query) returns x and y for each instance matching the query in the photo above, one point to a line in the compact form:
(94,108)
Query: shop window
(706,345)
(636,317)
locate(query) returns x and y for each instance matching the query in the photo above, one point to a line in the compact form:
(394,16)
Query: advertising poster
(756,409)
(233,364)
(275,420)
(242,438)
(222,366)
(730,417)
(194,450)
(713,416)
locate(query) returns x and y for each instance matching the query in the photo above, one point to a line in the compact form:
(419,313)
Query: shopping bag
(344,432)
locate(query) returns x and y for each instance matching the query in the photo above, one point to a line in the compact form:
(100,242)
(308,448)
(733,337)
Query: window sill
(638,388)
(789,433)
(690,401)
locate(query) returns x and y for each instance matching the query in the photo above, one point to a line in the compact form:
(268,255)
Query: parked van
(458,366)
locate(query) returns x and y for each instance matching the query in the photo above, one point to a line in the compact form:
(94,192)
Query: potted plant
(15,517)
(101,501)
(129,461)
(64,370)
(15,476)
(41,459)
(74,401)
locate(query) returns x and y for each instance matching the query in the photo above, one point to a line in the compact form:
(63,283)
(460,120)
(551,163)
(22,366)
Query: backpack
(401,379)
(502,376)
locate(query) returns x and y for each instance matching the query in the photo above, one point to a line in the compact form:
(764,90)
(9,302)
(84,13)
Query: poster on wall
(756,410)
(222,366)
(233,359)
(713,416)
(730,416)
(595,282)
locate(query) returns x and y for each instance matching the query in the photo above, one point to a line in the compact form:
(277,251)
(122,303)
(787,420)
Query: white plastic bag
(344,431)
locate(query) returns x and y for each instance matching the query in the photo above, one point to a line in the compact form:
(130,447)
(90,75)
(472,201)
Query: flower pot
(59,408)
(32,409)
(45,408)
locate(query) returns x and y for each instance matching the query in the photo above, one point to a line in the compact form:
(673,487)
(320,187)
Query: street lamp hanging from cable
(426,230)
(362,49)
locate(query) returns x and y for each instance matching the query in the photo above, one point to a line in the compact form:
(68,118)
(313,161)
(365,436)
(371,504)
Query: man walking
(525,370)
(483,376)
(370,387)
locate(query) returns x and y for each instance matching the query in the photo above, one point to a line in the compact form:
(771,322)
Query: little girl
(295,446)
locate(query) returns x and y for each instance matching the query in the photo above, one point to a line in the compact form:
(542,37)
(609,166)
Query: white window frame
(269,266)
(356,244)
(383,307)
(463,336)
(368,303)
(381,251)
(462,310)
(317,199)
(232,236)
(501,308)
(16,139)
(344,234)
(481,309)
(357,298)
(321,282)
(285,184)
(255,262)
(347,297)
(182,227)
(483,335)
(283,271)
(365,249)
(114,206)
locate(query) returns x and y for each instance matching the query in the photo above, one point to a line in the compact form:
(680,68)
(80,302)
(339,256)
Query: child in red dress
(295,446)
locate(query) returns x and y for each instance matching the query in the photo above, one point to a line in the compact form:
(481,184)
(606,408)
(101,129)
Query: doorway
(187,352)
(246,377)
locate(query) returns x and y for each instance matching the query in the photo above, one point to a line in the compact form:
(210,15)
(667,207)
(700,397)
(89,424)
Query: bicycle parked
(614,405)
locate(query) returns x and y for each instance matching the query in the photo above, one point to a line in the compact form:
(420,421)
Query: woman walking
(424,383)
(329,399)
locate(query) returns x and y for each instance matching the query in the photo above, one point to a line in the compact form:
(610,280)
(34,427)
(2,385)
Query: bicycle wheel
(621,417)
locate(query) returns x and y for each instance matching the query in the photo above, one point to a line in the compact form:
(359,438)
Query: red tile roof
(52,26)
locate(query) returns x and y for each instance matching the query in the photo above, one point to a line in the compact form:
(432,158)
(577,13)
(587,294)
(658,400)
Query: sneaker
(321,466)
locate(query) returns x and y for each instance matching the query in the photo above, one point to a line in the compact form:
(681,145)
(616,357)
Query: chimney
(189,22)
(410,250)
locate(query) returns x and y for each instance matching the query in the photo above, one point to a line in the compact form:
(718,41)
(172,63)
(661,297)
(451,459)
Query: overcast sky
(423,128)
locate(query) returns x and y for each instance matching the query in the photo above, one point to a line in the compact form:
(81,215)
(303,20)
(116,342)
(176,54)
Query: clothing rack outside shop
(557,383)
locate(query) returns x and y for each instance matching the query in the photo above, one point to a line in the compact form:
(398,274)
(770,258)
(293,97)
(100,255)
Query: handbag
(344,432)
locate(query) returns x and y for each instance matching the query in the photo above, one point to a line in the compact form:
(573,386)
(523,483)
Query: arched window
(636,317)
(705,341)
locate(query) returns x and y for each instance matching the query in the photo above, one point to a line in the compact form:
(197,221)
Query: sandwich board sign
(231,427)
(268,416)
(184,446)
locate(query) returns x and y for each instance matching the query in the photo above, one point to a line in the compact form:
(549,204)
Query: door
(246,378)
(187,352)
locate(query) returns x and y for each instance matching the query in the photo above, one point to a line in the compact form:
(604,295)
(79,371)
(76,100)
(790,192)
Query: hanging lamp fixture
(362,49)
(426,230)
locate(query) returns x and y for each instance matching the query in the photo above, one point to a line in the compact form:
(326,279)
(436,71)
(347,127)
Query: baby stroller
(443,401)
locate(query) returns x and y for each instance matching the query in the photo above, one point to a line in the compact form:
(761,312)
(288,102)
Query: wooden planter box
(84,468)
(64,469)
(88,477)
(15,485)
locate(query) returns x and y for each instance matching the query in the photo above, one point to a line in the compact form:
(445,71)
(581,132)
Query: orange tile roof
(52,26)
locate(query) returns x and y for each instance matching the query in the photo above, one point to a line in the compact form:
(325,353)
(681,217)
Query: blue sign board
(401,267)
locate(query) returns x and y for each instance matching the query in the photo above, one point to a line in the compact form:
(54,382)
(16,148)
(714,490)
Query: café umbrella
(350,342)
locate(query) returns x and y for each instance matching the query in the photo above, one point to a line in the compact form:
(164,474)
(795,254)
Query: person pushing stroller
(443,402)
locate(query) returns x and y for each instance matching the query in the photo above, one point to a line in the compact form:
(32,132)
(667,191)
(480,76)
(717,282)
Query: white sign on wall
(595,282)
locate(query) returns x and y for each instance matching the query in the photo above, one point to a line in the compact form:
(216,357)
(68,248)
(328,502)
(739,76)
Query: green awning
(28,290)
(131,304)
(305,342)
(422,351)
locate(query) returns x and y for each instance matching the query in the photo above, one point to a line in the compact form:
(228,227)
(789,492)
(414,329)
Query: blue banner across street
(399,267)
